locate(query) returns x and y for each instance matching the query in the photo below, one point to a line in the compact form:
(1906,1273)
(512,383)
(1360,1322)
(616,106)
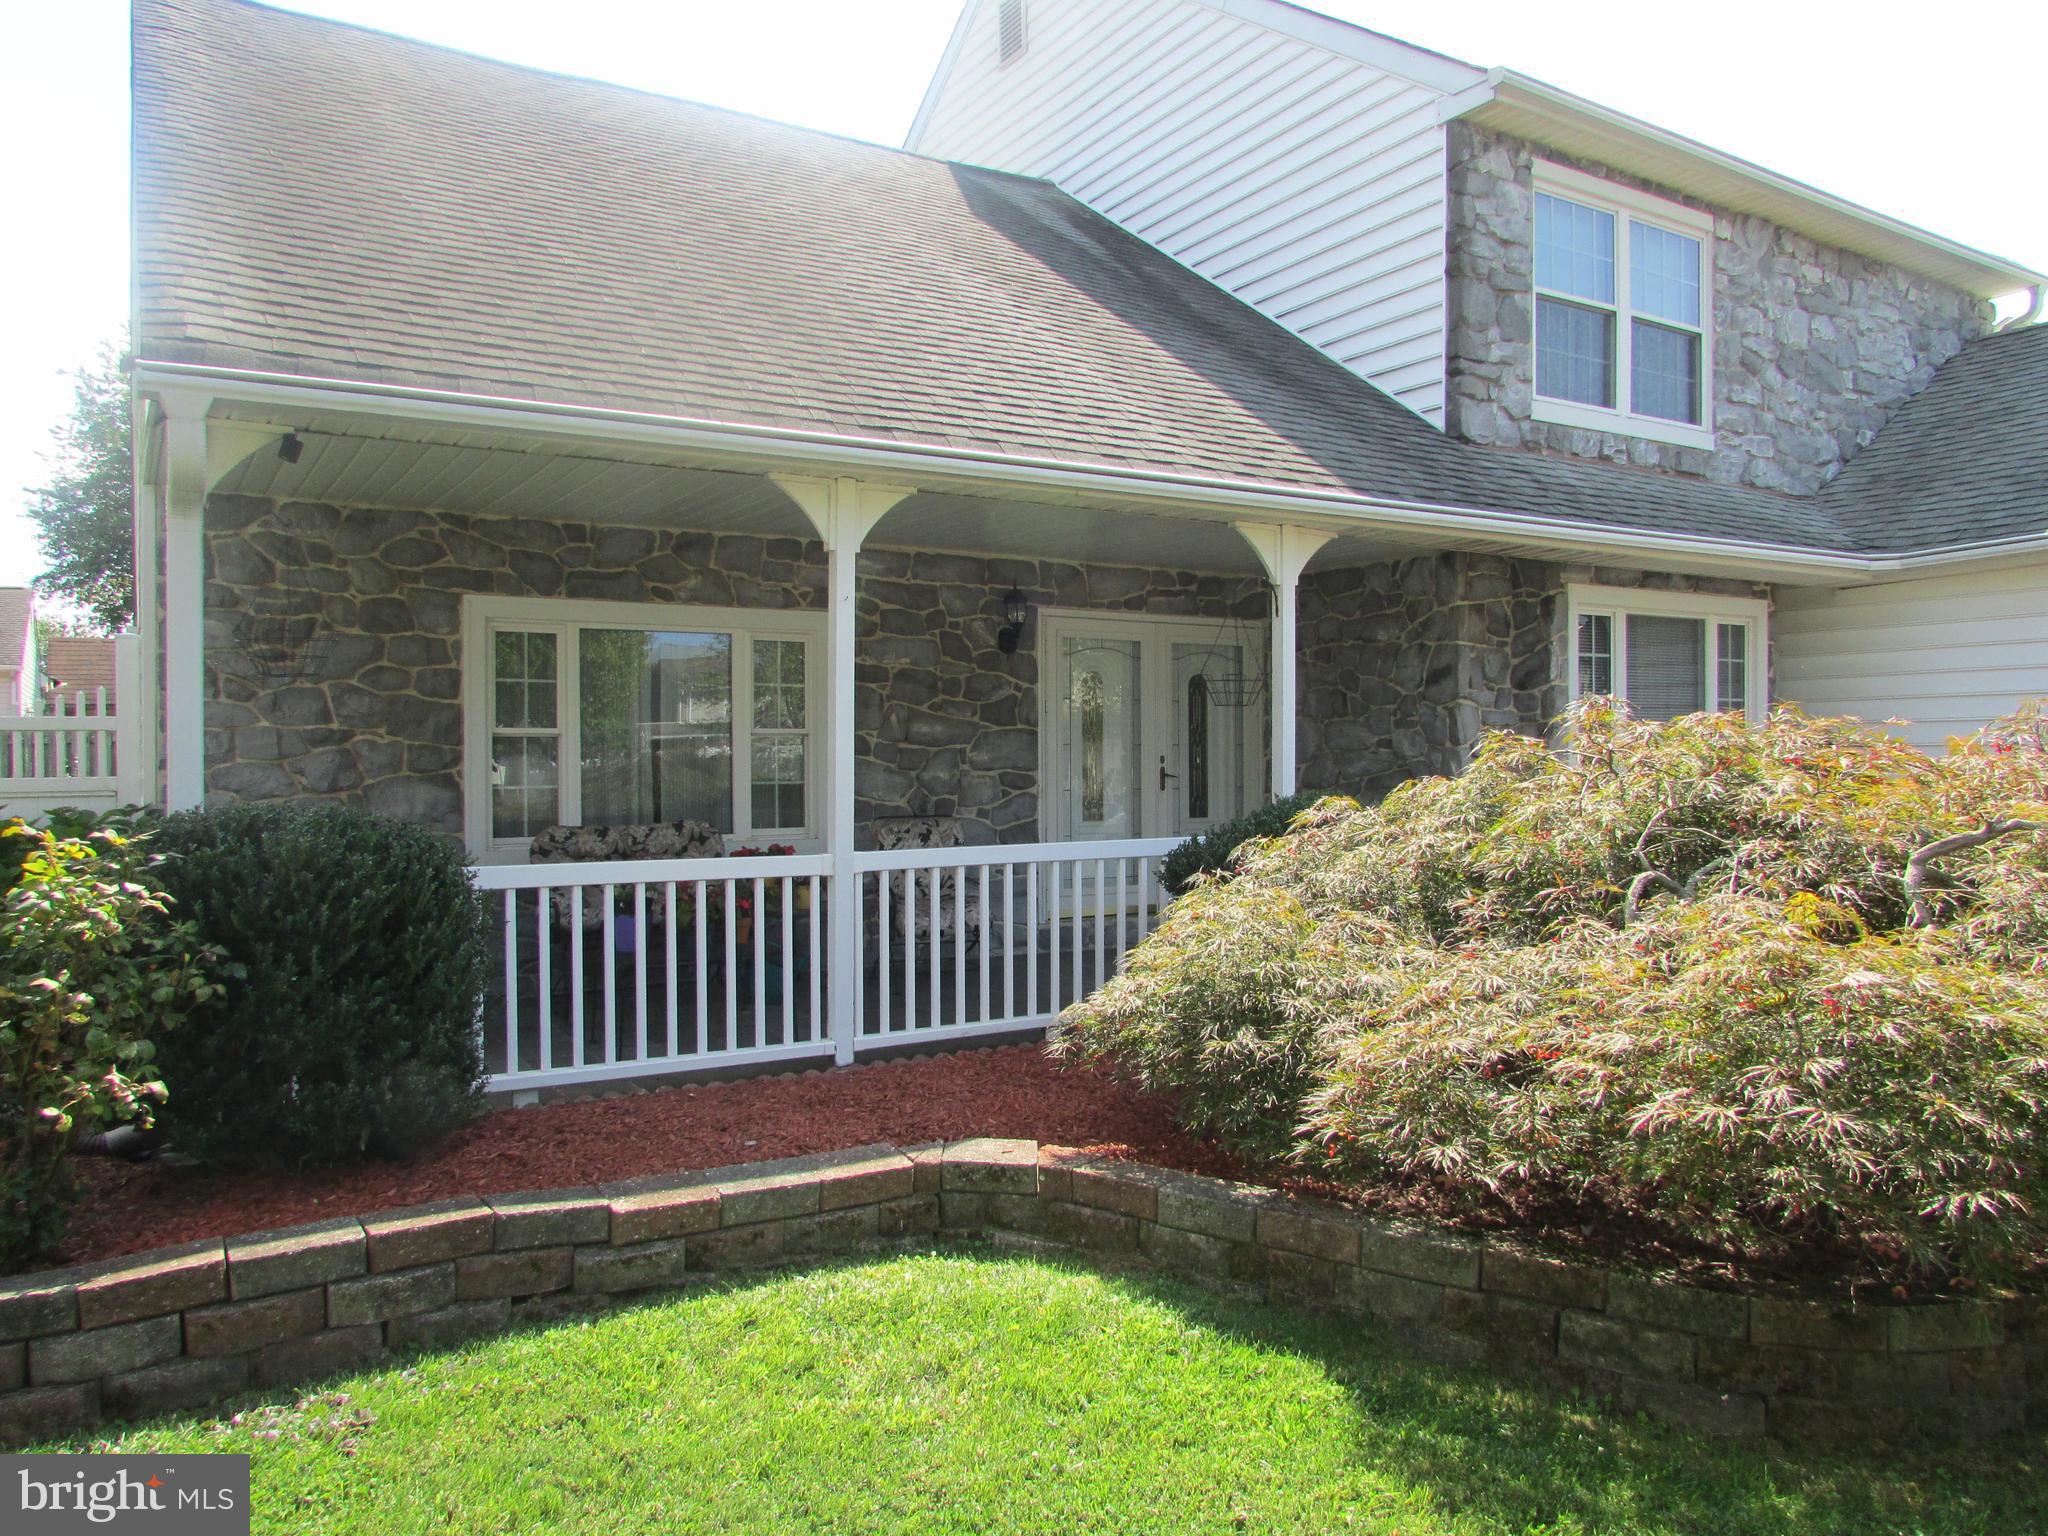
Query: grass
(963,1391)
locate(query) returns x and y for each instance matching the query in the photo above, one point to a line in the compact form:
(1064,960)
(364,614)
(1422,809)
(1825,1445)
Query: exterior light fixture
(1016,610)
(290,446)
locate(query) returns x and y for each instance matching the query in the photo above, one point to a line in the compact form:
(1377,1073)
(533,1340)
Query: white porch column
(196,458)
(138,707)
(1283,550)
(184,618)
(844,511)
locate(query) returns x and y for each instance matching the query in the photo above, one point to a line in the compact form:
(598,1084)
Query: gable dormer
(1303,170)
(1677,309)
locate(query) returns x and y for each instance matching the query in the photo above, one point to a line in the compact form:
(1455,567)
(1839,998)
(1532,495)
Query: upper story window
(1622,310)
(1669,653)
(1010,37)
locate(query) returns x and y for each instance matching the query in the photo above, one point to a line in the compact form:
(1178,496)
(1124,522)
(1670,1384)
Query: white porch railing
(646,966)
(967,941)
(79,754)
(657,966)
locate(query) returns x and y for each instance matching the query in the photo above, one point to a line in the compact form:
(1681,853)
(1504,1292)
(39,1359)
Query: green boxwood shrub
(1212,850)
(365,952)
(1762,987)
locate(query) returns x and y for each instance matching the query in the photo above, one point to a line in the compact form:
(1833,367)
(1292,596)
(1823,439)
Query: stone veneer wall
(1813,346)
(185,1328)
(1404,663)
(947,723)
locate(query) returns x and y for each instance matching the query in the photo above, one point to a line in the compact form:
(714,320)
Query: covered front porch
(757,763)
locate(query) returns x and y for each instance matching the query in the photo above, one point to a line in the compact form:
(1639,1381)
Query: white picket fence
(80,753)
(656,967)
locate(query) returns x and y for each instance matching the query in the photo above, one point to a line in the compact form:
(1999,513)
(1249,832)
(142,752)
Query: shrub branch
(1923,858)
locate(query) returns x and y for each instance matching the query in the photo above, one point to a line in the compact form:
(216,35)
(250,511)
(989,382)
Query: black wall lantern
(1015,611)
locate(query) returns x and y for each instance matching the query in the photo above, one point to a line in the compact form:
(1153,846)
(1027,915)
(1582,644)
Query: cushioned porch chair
(895,833)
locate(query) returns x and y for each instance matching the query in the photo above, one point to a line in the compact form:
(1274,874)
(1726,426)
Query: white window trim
(1626,203)
(482,614)
(1618,603)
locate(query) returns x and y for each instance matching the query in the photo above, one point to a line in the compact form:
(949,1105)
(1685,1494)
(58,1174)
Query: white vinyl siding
(1310,185)
(1945,653)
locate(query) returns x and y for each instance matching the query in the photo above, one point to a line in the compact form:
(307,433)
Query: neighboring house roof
(318,200)
(75,664)
(1966,458)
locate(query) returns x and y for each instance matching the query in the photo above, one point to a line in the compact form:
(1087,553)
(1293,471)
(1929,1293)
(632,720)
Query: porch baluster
(639,971)
(700,924)
(511,981)
(674,973)
(544,941)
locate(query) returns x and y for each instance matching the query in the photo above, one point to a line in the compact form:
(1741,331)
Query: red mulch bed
(1009,1091)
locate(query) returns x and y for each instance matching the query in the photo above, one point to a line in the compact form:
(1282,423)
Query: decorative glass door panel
(1102,789)
(1203,774)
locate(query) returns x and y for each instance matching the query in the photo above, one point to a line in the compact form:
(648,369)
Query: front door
(1149,732)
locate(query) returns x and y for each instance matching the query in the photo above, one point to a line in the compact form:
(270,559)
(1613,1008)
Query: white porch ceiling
(348,462)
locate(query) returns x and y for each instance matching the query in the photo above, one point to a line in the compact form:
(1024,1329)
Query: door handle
(1163,774)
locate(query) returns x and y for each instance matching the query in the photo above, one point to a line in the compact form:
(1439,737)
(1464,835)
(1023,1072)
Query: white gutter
(1514,90)
(1333,511)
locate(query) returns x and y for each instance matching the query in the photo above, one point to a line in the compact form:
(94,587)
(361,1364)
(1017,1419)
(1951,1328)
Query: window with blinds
(1667,665)
(1666,654)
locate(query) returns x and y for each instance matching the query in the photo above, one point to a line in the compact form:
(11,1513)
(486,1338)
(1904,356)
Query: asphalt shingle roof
(320,200)
(1963,461)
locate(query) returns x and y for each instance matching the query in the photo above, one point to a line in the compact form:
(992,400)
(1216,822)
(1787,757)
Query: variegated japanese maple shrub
(1757,985)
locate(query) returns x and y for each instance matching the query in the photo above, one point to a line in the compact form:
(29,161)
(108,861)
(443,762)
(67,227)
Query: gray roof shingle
(320,200)
(1963,461)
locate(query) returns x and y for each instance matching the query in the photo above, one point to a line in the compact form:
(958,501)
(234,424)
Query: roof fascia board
(1437,71)
(1947,260)
(760,449)
(936,86)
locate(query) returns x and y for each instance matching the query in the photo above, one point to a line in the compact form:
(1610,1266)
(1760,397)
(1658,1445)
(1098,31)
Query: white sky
(1932,121)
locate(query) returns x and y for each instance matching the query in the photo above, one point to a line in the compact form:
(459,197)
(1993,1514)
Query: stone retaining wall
(185,1328)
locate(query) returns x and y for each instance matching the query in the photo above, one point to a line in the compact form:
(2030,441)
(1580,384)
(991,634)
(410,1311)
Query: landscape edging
(185,1328)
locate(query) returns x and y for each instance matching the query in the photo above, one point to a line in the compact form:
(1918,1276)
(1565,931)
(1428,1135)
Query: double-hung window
(1623,310)
(606,714)
(1668,653)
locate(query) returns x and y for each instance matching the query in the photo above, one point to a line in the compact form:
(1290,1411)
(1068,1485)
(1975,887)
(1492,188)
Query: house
(79,675)
(18,665)
(531,457)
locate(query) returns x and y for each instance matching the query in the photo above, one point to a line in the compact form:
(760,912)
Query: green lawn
(971,1392)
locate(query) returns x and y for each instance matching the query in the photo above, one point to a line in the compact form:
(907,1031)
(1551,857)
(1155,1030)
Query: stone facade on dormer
(1812,347)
